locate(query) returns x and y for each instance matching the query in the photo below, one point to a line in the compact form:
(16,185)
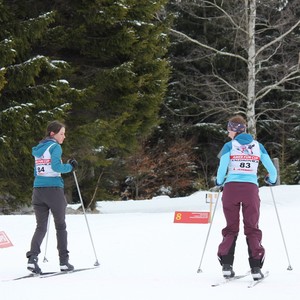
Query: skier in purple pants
(237,175)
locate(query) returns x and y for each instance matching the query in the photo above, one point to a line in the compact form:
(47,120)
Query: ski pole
(211,221)
(289,266)
(47,237)
(86,220)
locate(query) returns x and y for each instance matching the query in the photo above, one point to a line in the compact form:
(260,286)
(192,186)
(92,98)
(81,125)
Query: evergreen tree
(33,91)
(117,51)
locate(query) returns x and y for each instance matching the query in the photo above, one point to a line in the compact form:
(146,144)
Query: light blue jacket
(243,139)
(56,164)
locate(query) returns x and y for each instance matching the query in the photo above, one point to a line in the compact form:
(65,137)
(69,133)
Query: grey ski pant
(45,199)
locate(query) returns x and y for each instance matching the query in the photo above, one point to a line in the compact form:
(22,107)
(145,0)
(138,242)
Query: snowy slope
(144,255)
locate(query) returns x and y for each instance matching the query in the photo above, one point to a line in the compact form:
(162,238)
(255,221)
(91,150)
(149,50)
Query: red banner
(192,217)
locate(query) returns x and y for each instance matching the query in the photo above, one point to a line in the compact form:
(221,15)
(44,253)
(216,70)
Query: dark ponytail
(54,126)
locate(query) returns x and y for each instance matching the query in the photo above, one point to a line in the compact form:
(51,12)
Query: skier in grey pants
(48,194)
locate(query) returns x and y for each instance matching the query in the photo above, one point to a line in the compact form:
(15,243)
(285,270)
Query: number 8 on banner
(178,216)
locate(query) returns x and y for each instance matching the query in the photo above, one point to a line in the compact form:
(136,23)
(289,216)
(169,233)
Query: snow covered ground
(145,255)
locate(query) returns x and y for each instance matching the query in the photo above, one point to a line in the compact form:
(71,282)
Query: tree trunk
(250,110)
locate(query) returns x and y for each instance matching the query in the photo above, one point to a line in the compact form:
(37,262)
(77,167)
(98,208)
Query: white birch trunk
(251,99)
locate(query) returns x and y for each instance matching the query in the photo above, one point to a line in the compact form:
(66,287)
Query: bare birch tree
(259,44)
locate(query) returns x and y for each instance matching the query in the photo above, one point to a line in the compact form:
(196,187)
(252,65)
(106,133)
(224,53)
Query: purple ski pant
(243,195)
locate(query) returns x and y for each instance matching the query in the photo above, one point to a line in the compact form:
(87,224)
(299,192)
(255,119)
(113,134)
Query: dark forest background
(145,89)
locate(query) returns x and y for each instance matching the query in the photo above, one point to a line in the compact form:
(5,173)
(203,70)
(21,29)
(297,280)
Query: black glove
(216,189)
(267,180)
(73,163)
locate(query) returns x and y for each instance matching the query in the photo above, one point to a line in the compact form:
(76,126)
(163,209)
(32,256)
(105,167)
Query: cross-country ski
(66,272)
(256,282)
(51,274)
(228,280)
(33,275)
